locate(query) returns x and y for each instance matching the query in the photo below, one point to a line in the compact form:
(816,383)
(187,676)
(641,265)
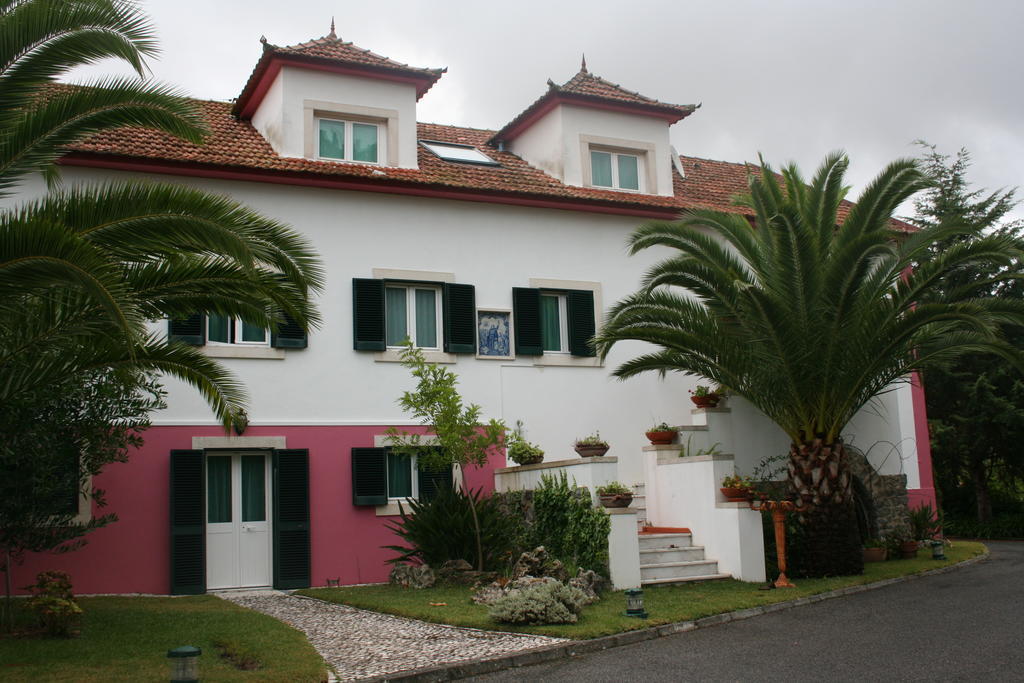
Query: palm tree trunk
(820,476)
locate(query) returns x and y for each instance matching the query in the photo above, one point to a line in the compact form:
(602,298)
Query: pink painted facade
(132,555)
(926,493)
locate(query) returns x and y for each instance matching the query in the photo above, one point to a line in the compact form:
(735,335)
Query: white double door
(238,541)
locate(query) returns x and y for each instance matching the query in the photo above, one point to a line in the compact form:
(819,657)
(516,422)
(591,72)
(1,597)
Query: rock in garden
(412,576)
(590,582)
(538,563)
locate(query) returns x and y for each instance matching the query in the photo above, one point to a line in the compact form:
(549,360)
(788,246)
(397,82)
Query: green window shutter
(188,533)
(432,481)
(369,476)
(190,330)
(526,311)
(579,306)
(368,314)
(458,305)
(291,519)
(289,335)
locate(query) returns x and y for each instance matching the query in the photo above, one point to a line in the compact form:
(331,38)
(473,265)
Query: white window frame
(349,149)
(415,482)
(614,154)
(563,323)
(410,312)
(234,330)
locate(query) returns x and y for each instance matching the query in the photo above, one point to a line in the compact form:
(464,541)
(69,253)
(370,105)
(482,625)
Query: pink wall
(132,554)
(926,492)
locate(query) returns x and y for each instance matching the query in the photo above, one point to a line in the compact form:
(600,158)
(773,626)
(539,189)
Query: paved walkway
(361,644)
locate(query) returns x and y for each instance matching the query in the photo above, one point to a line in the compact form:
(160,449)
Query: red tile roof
(234,145)
(333,48)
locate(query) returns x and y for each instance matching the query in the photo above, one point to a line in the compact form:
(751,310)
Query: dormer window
(615,170)
(342,140)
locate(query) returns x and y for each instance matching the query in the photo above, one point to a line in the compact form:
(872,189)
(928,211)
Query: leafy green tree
(976,404)
(809,314)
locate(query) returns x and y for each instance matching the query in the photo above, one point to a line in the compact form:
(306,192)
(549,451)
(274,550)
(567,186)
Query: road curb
(550,653)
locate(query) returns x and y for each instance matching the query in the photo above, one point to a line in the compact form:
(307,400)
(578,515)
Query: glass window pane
(549,326)
(332,139)
(629,178)
(364,142)
(426,318)
(395,318)
(254,491)
(252,333)
(218,489)
(218,329)
(601,169)
(399,476)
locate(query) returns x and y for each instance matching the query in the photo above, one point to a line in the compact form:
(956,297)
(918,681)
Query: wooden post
(779,509)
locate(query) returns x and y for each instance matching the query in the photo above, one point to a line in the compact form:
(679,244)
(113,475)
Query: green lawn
(127,639)
(665,604)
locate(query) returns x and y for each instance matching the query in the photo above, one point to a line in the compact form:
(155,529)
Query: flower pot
(736,495)
(708,401)
(616,500)
(531,461)
(874,554)
(661,437)
(908,550)
(591,451)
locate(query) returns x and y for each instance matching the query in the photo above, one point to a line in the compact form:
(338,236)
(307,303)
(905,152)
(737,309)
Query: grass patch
(665,604)
(127,639)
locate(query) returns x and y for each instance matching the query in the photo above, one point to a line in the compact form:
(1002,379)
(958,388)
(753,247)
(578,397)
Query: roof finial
(332,35)
(583,67)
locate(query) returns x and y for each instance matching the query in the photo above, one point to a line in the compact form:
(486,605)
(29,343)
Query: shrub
(924,523)
(550,602)
(1001,526)
(442,529)
(613,488)
(519,450)
(569,526)
(54,603)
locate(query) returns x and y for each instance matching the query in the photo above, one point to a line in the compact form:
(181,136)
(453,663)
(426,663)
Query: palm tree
(810,316)
(83,270)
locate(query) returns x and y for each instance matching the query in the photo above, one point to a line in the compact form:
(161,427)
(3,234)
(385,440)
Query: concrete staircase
(640,505)
(672,558)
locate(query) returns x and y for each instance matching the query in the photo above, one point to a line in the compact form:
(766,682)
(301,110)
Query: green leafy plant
(735,481)
(54,603)
(613,488)
(702,390)
(924,523)
(550,602)
(568,525)
(662,427)
(521,451)
(443,529)
(592,440)
(874,543)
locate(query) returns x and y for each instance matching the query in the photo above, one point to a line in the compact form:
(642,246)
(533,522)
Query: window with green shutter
(188,537)
(439,316)
(553,321)
(380,476)
(291,523)
(190,330)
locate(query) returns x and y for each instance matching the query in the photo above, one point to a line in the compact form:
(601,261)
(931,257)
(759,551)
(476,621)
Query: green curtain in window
(254,491)
(399,476)
(549,323)
(426,318)
(253,333)
(395,323)
(332,139)
(364,142)
(629,178)
(218,489)
(218,330)
(601,169)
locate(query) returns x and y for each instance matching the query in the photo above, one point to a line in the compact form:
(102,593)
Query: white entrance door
(238,549)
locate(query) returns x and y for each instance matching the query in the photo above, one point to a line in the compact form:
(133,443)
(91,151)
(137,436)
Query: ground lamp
(184,664)
(937,551)
(635,603)
(779,509)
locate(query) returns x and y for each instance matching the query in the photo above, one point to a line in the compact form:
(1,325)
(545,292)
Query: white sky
(788,78)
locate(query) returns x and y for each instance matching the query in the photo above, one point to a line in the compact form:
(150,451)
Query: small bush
(1001,526)
(550,602)
(568,525)
(54,603)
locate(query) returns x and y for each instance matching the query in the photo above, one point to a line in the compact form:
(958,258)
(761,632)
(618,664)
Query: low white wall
(587,472)
(623,549)
(687,495)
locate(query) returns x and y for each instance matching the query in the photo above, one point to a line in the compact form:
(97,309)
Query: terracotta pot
(908,550)
(709,401)
(874,554)
(661,437)
(616,500)
(531,461)
(591,451)
(735,495)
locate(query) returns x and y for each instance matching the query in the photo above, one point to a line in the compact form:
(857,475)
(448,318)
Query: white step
(675,570)
(662,555)
(662,541)
(685,579)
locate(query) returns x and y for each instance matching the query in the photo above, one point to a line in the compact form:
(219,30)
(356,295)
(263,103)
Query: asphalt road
(966,625)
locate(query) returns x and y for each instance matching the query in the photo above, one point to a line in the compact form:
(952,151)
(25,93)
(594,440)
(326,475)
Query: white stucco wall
(542,146)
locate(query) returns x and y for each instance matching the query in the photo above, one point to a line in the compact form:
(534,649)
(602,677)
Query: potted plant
(703,397)
(924,523)
(519,450)
(908,548)
(874,550)
(592,446)
(615,495)
(736,488)
(661,434)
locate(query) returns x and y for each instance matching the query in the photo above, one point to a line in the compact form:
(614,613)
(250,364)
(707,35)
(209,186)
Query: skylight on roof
(462,153)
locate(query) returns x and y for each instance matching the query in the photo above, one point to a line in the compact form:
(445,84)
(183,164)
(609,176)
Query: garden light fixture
(184,664)
(937,551)
(635,603)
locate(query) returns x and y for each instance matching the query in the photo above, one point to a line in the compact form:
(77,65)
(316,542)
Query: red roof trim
(388,186)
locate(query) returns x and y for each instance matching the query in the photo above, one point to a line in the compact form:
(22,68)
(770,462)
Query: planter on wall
(661,437)
(736,495)
(709,401)
(616,500)
(591,451)
(908,550)
(874,554)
